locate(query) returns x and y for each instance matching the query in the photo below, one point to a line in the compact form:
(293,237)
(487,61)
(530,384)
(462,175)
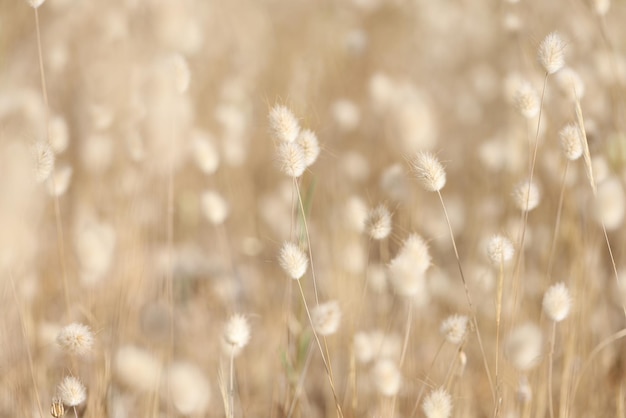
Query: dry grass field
(313,208)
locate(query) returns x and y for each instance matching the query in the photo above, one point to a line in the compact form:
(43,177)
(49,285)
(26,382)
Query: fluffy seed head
(524,390)
(59,134)
(283,124)
(204,152)
(291,159)
(526,100)
(571,141)
(214,207)
(523,347)
(551,54)
(35,3)
(407,268)
(76,339)
(346,114)
(526,195)
(326,318)
(462,363)
(609,206)
(376,345)
(500,249)
(557,302)
(57,409)
(378,222)
(59,181)
(416,249)
(387,377)
(454,328)
(438,404)
(293,260)
(44,160)
(189,389)
(429,171)
(95,243)
(137,368)
(406,279)
(310,146)
(236,333)
(570,83)
(355,213)
(601,7)
(71,391)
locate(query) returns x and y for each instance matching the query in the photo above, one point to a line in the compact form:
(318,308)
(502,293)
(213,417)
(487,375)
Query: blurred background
(143,197)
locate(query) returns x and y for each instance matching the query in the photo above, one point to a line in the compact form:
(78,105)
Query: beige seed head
(454,328)
(71,391)
(76,339)
(407,268)
(405,278)
(293,260)
(378,222)
(526,196)
(284,126)
(188,389)
(310,146)
(523,346)
(137,368)
(429,171)
(59,134)
(526,100)
(376,345)
(58,183)
(326,318)
(416,249)
(438,404)
(387,377)
(571,141)
(204,152)
(44,160)
(214,207)
(500,249)
(291,159)
(236,333)
(551,54)
(570,83)
(57,409)
(601,7)
(609,206)
(524,390)
(557,302)
(355,214)
(35,3)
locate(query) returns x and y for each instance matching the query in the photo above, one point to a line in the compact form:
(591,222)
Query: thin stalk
(57,206)
(597,349)
(533,162)
(308,238)
(613,265)
(557,223)
(300,384)
(405,346)
(430,368)
(231,385)
(498,317)
(319,345)
(26,345)
(550,366)
(469,298)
